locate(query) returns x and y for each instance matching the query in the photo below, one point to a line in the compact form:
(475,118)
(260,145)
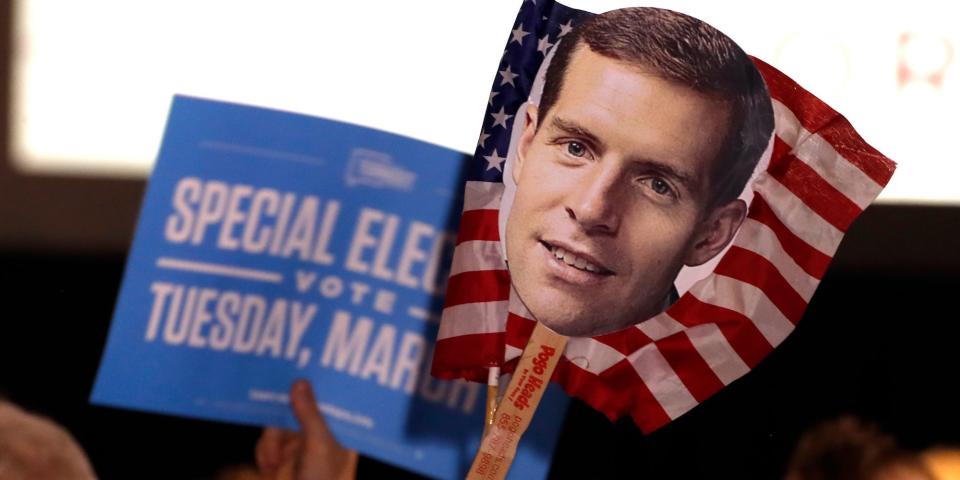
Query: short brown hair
(685,50)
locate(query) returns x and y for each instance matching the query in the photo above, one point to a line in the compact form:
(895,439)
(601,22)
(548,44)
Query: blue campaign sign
(273,246)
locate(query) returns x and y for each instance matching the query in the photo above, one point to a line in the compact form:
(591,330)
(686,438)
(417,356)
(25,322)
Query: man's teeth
(573,260)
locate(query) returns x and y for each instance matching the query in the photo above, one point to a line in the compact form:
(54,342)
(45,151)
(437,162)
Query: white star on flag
(518,34)
(507,76)
(544,44)
(492,94)
(500,118)
(565,28)
(494,161)
(483,139)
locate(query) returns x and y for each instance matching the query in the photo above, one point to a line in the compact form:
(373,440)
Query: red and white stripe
(820,177)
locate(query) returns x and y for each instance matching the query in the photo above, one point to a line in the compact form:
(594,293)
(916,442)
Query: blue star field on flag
(537,29)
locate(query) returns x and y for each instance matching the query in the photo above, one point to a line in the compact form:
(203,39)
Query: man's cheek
(555,185)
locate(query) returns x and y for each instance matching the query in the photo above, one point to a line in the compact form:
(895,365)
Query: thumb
(306,411)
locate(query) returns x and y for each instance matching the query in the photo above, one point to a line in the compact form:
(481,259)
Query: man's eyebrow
(573,128)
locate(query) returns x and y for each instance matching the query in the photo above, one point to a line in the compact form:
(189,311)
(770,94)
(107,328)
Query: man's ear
(715,232)
(529,130)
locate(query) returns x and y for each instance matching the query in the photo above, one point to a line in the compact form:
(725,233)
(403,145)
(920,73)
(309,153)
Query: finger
(267,451)
(306,411)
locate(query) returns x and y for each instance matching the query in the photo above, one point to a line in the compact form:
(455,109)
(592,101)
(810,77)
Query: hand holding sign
(311,453)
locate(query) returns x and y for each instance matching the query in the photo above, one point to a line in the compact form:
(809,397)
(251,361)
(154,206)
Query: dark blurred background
(878,340)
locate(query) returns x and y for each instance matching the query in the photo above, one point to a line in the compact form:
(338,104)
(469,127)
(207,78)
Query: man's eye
(659,186)
(576,149)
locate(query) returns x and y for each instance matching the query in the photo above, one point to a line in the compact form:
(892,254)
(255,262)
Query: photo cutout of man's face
(618,186)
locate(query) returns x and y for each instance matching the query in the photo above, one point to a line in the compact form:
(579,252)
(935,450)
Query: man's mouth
(580,262)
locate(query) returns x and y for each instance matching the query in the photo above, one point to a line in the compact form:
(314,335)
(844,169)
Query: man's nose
(595,201)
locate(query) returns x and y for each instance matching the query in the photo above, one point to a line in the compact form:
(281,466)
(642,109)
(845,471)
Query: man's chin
(591,325)
(568,315)
(568,326)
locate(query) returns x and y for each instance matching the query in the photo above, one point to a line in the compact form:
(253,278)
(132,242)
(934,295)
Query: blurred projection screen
(92,81)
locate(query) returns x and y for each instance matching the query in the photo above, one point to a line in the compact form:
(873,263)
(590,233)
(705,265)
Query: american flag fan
(819,178)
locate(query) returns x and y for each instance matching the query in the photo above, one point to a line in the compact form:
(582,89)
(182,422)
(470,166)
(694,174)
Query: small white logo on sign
(371,168)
